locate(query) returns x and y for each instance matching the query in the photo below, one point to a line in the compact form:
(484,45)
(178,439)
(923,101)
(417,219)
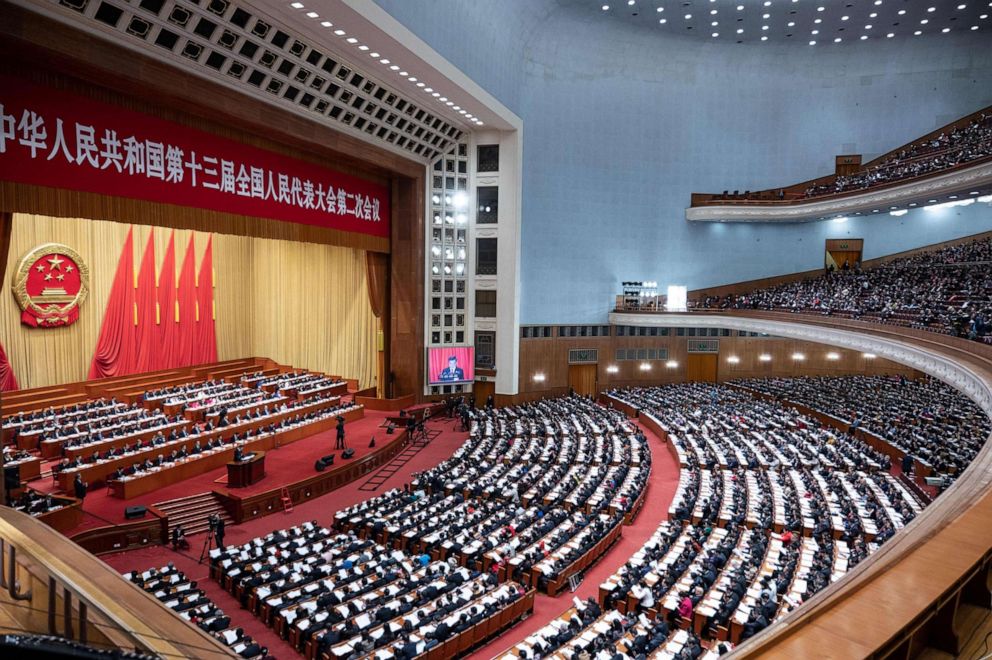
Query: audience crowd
(926,419)
(181,595)
(947,290)
(959,146)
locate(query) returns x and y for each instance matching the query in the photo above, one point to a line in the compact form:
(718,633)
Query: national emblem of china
(51,283)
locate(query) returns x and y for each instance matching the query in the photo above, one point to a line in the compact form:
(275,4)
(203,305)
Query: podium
(246,472)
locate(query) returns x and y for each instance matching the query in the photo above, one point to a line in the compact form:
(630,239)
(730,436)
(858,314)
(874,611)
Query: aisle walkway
(661,487)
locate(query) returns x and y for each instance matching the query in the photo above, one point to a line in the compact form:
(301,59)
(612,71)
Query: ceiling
(809,22)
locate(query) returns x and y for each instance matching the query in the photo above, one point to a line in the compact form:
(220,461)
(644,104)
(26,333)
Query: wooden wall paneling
(482,390)
(549,356)
(406,290)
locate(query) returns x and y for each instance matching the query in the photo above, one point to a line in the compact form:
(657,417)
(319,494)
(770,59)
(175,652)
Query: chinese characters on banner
(53,138)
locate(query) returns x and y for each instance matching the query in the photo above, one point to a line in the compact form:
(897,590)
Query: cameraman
(340,430)
(217,527)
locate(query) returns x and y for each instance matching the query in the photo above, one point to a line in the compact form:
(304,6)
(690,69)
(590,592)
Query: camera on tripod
(213,521)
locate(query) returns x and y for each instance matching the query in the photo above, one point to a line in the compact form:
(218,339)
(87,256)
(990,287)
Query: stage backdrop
(298,303)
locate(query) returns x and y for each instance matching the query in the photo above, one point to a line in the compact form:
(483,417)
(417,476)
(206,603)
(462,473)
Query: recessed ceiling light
(630,2)
(763,38)
(715,23)
(296,5)
(394,68)
(663,21)
(660,9)
(363,48)
(974,27)
(863,37)
(844,18)
(435,94)
(463,112)
(818,21)
(878,2)
(924,21)
(420,84)
(931,9)
(456,107)
(412,79)
(713,12)
(374,54)
(715,34)
(812,43)
(918,33)
(768,3)
(352,40)
(874,14)
(312,14)
(688,16)
(327,23)
(902,12)
(814,32)
(340,33)
(868,27)
(384,61)
(740,30)
(819,8)
(740,7)
(428,89)
(606,8)
(443,99)
(449,103)
(962,6)
(766,16)
(984,16)
(946,30)
(404,74)
(890,35)
(837,40)
(792,23)
(764,27)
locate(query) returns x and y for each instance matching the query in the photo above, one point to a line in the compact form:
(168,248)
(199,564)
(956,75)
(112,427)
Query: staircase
(193,512)
(419,441)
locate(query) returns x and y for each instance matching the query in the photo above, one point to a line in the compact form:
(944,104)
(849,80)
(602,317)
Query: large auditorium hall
(495,329)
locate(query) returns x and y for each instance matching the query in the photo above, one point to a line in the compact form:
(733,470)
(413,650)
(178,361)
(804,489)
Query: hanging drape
(206,333)
(185,351)
(145,311)
(376,265)
(115,353)
(168,325)
(7,380)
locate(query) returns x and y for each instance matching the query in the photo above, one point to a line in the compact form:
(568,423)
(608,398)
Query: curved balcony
(909,594)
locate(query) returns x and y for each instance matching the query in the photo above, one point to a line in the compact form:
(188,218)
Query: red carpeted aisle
(661,487)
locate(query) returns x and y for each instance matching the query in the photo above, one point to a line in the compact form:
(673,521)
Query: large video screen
(446,366)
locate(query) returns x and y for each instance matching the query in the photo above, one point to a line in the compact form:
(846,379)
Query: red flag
(168,325)
(187,309)
(116,353)
(146,314)
(206,335)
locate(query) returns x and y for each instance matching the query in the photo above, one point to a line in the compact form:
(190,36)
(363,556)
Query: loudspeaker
(323,462)
(348,453)
(132,512)
(390,429)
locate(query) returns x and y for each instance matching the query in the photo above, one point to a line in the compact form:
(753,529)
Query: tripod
(420,434)
(208,544)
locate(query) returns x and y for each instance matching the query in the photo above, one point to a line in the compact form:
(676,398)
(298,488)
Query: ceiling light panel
(230,43)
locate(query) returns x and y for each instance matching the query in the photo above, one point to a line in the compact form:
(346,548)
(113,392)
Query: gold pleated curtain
(300,304)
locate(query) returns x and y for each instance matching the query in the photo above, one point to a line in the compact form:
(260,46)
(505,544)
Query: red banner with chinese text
(53,138)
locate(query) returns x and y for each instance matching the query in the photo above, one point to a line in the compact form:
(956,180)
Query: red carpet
(282,466)
(661,488)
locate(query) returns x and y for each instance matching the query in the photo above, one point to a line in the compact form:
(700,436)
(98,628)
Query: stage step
(193,512)
(418,442)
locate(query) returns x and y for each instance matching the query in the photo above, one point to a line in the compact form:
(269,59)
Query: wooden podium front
(246,473)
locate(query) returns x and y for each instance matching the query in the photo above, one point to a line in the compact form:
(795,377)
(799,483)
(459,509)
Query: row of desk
(98,472)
